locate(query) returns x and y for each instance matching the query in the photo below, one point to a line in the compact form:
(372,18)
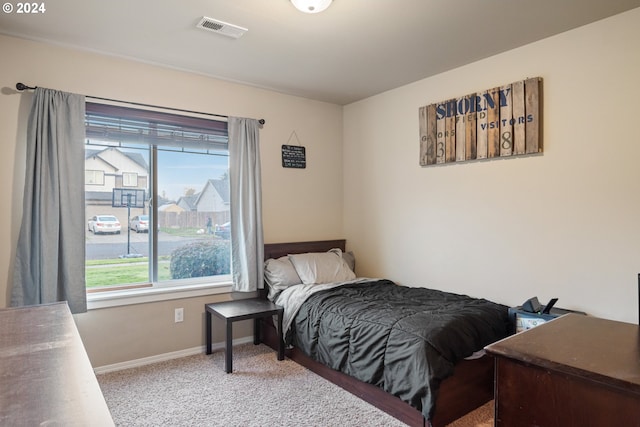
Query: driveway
(106,246)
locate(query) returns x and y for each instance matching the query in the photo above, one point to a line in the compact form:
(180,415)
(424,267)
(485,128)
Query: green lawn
(120,271)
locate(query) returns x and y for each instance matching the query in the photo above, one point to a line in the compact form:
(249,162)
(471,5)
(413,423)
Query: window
(165,221)
(93,177)
(129,179)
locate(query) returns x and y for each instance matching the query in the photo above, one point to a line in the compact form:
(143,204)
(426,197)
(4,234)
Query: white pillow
(322,267)
(350,259)
(279,275)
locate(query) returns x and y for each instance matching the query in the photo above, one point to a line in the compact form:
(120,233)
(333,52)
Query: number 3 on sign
(30,8)
(440,152)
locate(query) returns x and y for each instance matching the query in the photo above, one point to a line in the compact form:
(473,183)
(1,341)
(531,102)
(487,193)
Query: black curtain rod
(22,86)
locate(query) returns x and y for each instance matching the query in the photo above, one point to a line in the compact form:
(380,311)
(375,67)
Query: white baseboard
(165,356)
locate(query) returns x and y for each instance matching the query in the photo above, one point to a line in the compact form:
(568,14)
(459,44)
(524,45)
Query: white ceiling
(354,49)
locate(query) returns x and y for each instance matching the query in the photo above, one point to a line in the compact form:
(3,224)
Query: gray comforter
(401,339)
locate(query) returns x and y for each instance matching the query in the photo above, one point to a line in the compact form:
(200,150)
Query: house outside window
(168,160)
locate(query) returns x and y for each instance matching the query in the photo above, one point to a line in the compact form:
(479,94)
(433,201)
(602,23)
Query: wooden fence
(188,219)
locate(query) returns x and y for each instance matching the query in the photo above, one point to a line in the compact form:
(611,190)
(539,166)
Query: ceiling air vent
(221,27)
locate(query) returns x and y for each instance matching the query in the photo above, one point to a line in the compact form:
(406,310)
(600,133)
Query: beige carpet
(195,391)
(481,417)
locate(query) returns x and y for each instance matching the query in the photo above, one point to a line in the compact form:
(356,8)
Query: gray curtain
(50,255)
(247,242)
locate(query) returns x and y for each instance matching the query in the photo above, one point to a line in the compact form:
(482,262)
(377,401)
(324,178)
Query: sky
(181,171)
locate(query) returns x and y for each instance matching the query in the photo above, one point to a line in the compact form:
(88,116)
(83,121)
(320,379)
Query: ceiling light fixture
(311,6)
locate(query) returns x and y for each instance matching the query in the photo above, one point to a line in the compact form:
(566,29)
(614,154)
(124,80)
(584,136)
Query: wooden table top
(46,376)
(593,348)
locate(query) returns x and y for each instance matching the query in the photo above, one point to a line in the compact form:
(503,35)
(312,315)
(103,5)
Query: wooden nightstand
(231,311)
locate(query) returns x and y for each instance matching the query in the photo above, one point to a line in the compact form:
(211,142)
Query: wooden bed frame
(469,388)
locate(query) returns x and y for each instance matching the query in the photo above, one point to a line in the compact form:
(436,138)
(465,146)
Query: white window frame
(117,298)
(174,289)
(129,179)
(94,173)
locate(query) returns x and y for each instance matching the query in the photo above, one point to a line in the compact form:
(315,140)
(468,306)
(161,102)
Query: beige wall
(297,204)
(564,224)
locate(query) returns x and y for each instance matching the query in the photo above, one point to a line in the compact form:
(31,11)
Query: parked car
(104,224)
(139,223)
(223,231)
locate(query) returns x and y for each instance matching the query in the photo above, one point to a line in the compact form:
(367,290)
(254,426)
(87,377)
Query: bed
(453,387)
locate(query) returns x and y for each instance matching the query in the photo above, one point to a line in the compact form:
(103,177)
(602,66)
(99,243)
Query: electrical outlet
(179,315)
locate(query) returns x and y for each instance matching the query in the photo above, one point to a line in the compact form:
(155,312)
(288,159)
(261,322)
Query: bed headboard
(277,250)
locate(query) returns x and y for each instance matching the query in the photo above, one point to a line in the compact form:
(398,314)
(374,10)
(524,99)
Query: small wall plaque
(294,156)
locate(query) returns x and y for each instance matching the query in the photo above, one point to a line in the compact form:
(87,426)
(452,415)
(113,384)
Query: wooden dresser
(572,371)
(45,374)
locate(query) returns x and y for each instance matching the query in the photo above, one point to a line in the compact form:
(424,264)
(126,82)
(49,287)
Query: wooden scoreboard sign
(501,122)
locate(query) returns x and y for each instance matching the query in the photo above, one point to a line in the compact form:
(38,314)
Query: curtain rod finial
(22,86)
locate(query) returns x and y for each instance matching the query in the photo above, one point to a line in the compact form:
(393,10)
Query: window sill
(146,295)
